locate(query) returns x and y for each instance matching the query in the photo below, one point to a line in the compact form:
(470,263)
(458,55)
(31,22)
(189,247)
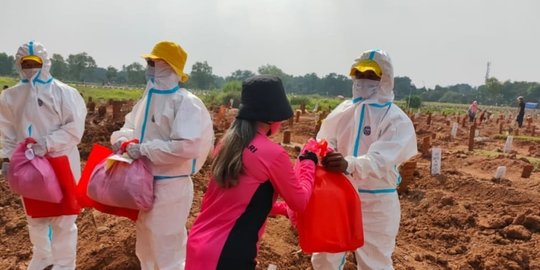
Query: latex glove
(40,147)
(335,162)
(134,150)
(116,146)
(5,168)
(309,155)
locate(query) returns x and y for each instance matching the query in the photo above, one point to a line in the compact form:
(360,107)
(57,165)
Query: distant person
(175,134)
(372,136)
(473,109)
(521,111)
(52,113)
(248,174)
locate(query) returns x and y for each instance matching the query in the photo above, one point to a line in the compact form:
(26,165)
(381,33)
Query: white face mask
(162,70)
(28,73)
(364,88)
(150,73)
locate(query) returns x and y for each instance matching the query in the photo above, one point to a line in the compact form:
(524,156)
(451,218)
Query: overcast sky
(432,41)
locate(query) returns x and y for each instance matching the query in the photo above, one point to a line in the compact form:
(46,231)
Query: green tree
(112,74)
(135,73)
(7,65)
(79,64)
(493,92)
(239,75)
(335,85)
(271,70)
(414,102)
(59,67)
(403,87)
(201,76)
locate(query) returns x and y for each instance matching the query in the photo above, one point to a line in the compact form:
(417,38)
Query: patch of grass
(487,153)
(96,92)
(101,93)
(518,138)
(493,154)
(9,81)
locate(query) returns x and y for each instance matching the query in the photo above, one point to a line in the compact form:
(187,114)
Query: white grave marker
(436,155)
(272,267)
(508,144)
(453,132)
(501,172)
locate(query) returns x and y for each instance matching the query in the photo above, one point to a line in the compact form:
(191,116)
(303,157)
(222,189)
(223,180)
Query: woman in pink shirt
(473,109)
(249,172)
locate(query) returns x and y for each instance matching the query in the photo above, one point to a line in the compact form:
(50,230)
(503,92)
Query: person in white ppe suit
(175,132)
(53,113)
(372,137)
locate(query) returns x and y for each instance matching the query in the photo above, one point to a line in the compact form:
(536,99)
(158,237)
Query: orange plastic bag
(98,154)
(68,205)
(332,221)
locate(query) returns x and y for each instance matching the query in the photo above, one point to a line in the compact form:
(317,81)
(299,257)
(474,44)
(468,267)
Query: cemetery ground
(462,218)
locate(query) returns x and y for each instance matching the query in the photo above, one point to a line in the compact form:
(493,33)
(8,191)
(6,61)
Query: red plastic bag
(33,176)
(68,205)
(123,184)
(332,221)
(98,154)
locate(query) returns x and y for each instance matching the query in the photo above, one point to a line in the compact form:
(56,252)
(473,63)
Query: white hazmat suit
(176,134)
(375,137)
(53,113)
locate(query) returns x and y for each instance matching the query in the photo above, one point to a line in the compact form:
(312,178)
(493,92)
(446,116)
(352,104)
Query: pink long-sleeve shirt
(231,221)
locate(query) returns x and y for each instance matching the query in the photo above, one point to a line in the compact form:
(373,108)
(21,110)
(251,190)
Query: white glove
(116,146)
(5,168)
(134,150)
(40,147)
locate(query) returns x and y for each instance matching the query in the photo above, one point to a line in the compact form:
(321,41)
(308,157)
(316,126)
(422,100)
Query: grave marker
(436,156)
(508,145)
(527,170)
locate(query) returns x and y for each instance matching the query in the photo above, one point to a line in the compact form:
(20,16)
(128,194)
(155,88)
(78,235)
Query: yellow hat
(366,65)
(32,58)
(171,53)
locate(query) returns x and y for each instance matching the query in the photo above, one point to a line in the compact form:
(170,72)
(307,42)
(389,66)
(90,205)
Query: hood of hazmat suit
(53,113)
(375,136)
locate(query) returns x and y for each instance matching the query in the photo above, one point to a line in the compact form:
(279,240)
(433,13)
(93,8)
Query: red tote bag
(97,155)
(332,221)
(68,205)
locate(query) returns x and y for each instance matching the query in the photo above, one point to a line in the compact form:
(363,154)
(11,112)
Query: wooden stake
(471,137)
(286,137)
(527,171)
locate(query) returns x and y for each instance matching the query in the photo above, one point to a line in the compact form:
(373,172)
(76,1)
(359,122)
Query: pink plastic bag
(123,185)
(32,176)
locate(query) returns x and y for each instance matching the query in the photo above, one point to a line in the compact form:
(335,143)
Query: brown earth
(460,219)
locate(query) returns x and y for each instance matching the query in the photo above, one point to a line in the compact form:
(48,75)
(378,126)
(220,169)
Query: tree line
(82,67)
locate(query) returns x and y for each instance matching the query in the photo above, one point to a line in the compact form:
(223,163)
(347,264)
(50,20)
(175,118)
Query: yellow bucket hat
(32,58)
(366,65)
(171,53)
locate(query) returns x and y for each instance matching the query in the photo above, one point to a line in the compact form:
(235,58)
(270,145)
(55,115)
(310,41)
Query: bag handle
(124,145)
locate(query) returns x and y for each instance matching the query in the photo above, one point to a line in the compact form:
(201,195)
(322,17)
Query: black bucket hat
(264,99)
